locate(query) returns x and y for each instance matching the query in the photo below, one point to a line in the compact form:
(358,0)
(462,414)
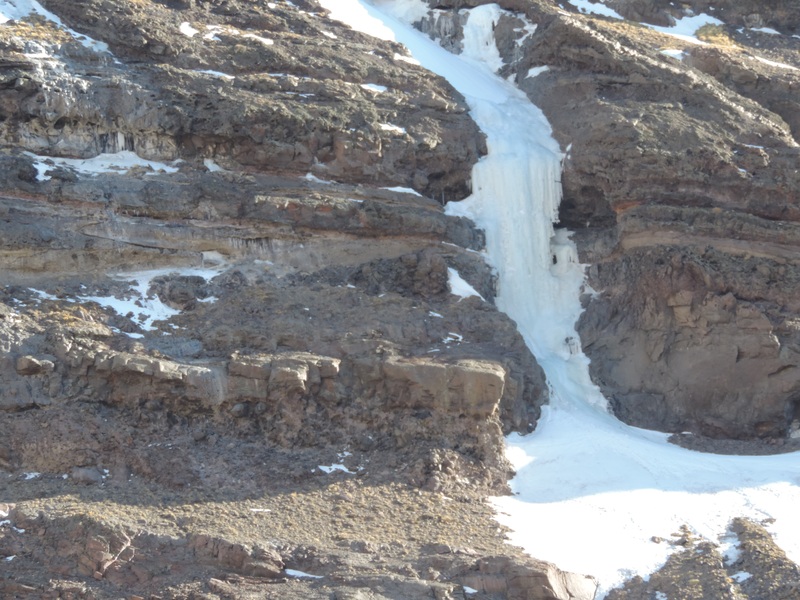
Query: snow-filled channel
(590,492)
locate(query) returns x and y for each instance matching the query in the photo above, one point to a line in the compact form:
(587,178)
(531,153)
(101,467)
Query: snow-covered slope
(590,492)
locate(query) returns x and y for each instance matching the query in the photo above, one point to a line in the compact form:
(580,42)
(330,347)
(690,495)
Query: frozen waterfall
(590,492)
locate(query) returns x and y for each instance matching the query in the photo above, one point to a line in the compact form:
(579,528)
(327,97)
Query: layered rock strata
(231,358)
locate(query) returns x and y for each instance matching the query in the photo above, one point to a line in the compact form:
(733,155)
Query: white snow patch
(392,128)
(258,38)
(260,510)
(301,575)
(6,522)
(534,71)
(674,53)
(686,28)
(40,52)
(660,596)
(299,94)
(32,475)
(435,314)
(407,59)
(41,168)
(333,36)
(406,11)
(779,65)
(42,296)
(403,190)
(19,9)
(634,487)
(595,8)
(469,590)
(119,162)
(373,87)
(315,179)
(335,467)
(741,576)
(211,165)
(729,547)
(187,30)
(219,74)
(212,257)
(458,286)
(766,30)
(529,29)
(147,308)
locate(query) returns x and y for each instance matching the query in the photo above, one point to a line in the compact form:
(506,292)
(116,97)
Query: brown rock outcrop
(116,559)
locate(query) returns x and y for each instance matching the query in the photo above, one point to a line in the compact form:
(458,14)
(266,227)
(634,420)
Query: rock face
(117,559)
(227,339)
(680,182)
(225,315)
(693,327)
